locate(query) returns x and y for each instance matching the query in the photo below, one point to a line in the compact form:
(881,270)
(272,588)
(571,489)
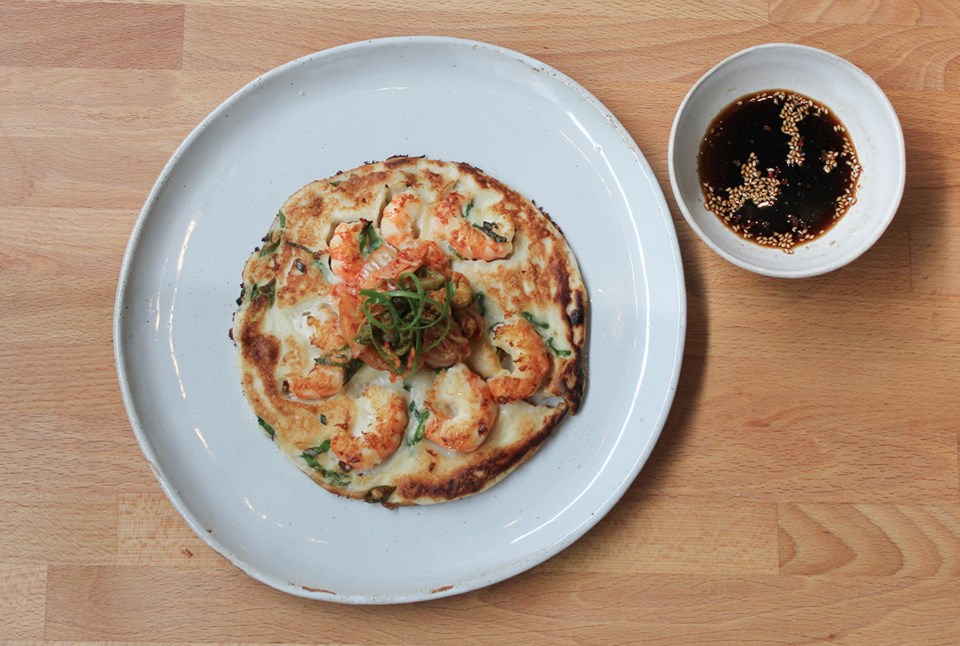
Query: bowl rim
(830,263)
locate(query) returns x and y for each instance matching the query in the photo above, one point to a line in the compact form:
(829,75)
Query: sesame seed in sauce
(778,168)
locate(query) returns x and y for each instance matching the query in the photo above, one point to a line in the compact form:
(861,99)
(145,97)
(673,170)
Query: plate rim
(496,575)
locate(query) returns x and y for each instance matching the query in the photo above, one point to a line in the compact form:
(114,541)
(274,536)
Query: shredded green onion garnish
(558,351)
(421,417)
(269,290)
(490,228)
(351,369)
(370,240)
(266,428)
(268,249)
(399,317)
(299,246)
(534,320)
(323,264)
(310,457)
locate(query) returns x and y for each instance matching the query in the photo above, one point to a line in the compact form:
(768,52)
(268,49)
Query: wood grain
(162,104)
(59,529)
(151,532)
(661,534)
(85,172)
(806,487)
(90,35)
(174,603)
(906,12)
(869,540)
(23,601)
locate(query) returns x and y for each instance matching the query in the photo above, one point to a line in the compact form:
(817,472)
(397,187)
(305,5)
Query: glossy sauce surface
(778,168)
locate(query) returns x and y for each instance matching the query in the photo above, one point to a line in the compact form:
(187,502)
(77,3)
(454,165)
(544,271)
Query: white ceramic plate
(510,115)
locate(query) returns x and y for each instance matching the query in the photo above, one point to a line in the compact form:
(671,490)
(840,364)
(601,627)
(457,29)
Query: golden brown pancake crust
(289,275)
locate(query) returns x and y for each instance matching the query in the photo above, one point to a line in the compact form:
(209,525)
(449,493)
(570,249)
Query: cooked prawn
(423,253)
(462,410)
(490,240)
(345,257)
(325,333)
(531,362)
(381,423)
(397,223)
(327,375)
(320,382)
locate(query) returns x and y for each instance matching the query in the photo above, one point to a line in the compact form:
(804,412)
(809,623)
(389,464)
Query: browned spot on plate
(442,588)
(309,589)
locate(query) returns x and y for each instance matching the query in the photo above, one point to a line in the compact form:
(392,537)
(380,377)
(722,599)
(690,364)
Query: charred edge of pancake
(571,379)
(570,382)
(482,475)
(399,161)
(260,350)
(544,213)
(574,311)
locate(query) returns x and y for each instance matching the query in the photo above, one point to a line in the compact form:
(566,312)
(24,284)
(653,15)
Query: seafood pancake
(411,331)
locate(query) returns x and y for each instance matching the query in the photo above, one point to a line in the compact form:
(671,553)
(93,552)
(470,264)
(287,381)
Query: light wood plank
(58,529)
(630,48)
(552,9)
(44,102)
(594,44)
(844,432)
(110,603)
(77,243)
(22,600)
(874,540)
(103,457)
(86,172)
(55,34)
(151,532)
(14,177)
(803,323)
(89,381)
(935,259)
(886,268)
(658,534)
(903,12)
(60,386)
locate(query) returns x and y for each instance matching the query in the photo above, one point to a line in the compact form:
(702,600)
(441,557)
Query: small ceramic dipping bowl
(852,96)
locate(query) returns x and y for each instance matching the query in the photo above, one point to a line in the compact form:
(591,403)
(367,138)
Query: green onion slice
(266,428)
(490,228)
(421,417)
(534,320)
(271,247)
(397,319)
(558,351)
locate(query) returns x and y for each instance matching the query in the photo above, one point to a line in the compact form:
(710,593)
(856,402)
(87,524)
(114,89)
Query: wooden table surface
(805,487)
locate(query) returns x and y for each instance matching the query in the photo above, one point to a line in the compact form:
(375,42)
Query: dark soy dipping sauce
(778,168)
